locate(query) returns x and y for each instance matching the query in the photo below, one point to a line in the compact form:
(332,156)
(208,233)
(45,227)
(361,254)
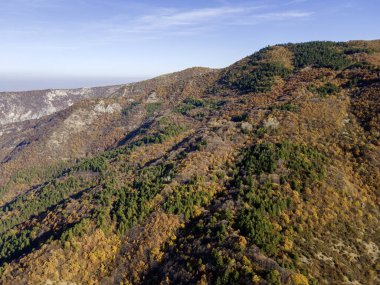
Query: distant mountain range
(23,106)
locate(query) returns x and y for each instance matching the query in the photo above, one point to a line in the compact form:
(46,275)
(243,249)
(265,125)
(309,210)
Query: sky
(82,43)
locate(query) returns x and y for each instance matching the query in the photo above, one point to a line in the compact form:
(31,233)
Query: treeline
(259,72)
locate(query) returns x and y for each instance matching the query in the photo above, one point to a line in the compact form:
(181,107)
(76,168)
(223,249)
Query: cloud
(295,2)
(191,17)
(170,20)
(193,21)
(135,23)
(285,15)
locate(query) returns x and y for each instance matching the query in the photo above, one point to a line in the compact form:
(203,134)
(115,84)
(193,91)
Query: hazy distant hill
(264,172)
(22,106)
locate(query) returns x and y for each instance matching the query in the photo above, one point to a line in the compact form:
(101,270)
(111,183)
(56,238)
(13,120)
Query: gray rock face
(22,106)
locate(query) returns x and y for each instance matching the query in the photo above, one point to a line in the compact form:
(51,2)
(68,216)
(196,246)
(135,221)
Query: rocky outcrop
(22,106)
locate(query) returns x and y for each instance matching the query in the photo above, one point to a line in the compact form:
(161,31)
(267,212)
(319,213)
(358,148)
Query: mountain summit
(264,172)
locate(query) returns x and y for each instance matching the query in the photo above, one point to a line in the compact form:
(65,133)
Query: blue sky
(68,43)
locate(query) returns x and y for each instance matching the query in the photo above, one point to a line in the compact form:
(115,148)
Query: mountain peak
(263,172)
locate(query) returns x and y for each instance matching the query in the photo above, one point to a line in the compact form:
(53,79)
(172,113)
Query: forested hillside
(264,172)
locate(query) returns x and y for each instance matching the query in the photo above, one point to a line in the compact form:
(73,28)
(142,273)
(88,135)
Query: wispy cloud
(176,20)
(194,21)
(284,15)
(186,18)
(133,23)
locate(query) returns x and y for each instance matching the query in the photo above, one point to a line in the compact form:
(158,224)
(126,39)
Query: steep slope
(37,149)
(22,106)
(265,172)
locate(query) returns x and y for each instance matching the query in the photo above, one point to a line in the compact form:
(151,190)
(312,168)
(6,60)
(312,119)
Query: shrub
(128,110)
(151,108)
(189,104)
(240,118)
(285,107)
(325,90)
(167,129)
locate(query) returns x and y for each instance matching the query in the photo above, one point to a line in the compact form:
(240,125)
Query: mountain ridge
(264,172)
